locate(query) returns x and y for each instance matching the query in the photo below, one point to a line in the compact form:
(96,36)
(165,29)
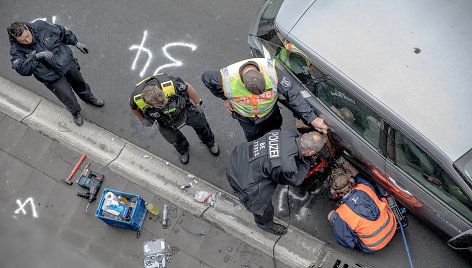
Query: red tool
(83,172)
(75,169)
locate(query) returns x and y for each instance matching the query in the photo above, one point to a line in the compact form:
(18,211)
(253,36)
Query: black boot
(183,157)
(78,120)
(277,229)
(97,102)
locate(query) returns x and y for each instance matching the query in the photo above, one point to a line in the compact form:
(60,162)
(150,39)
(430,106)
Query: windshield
(266,22)
(464,166)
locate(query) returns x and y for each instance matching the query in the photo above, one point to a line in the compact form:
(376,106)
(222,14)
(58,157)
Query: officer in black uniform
(41,49)
(255,169)
(166,100)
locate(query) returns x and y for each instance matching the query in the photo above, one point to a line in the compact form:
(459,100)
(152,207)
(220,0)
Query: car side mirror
(461,241)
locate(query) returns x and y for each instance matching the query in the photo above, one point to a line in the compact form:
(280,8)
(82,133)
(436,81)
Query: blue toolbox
(121,209)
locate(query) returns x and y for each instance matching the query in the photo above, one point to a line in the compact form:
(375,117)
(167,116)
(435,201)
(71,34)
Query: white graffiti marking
(283,194)
(22,207)
(53,19)
(141,48)
(175,63)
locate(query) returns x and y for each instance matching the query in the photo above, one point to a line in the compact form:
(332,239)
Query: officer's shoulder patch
(285,82)
(183,87)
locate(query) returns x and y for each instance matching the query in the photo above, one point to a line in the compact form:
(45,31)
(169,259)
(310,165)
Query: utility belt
(174,120)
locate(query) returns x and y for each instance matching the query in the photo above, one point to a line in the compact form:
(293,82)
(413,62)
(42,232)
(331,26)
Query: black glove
(83,48)
(47,55)
(147,122)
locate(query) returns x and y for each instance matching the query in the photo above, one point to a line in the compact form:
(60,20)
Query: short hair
(154,96)
(340,182)
(16,29)
(347,115)
(313,141)
(254,82)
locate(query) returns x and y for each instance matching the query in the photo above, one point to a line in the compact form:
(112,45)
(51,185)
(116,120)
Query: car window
(350,109)
(421,167)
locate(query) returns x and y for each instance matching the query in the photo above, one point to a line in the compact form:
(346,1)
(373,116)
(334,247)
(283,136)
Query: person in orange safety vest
(364,219)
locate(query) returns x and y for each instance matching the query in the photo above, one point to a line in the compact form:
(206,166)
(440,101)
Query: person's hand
(83,48)
(47,55)
(229,106)
(319,124)
(200,107)
(331,216)
(147,122)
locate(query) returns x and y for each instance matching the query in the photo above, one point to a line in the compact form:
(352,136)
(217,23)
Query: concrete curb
(296,248)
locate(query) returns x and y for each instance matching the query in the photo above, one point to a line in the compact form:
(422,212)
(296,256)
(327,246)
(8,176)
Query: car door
(424,187)
(355,127)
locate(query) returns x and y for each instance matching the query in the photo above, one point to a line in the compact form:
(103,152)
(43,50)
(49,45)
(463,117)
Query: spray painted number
(142,49)
(22,206)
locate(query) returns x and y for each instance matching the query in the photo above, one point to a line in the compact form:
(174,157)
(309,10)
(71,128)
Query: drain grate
(333,259)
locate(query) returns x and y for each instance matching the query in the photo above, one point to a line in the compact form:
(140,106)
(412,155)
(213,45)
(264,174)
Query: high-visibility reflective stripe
(367,230)
(243,101)
(378,230)
(386,236)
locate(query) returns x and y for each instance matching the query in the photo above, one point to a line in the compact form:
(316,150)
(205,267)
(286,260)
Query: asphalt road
(130,40)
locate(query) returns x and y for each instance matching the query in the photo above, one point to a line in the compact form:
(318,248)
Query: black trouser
(253,131)
(65,87)
(200,125)
(267,219)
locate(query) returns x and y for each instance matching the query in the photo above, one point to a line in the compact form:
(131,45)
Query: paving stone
(181,259)
(113,236)
(13,174)
(76,239)
(218,248)
(189,233)
(99,254)
(119,262)
(31,147)
(113,181)
(145,194)
(38,187)
(58,161)
(11,134)
(153,224)
(248,257)
(133,248)
(60,205)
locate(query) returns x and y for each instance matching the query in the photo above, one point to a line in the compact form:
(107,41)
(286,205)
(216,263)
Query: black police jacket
(255,168)
(46,36)
(177,103)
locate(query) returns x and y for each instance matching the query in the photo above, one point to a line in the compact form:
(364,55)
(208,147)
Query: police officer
(41,49)
(255,169)
(250,91)
(364,219)
(166,100)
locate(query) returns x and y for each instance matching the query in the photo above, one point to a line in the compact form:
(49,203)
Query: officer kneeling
(166,100)
(363,219)
(255,169)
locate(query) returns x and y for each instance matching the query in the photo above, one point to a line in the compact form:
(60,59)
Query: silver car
(393,80)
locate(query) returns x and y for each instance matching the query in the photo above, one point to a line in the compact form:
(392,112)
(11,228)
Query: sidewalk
(39,145)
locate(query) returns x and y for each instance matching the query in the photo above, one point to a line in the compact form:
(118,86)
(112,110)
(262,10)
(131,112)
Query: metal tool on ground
(83,172)
(75,169)
(91,181)
(165,220)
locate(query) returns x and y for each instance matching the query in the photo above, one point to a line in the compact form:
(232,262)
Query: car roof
(413,56)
